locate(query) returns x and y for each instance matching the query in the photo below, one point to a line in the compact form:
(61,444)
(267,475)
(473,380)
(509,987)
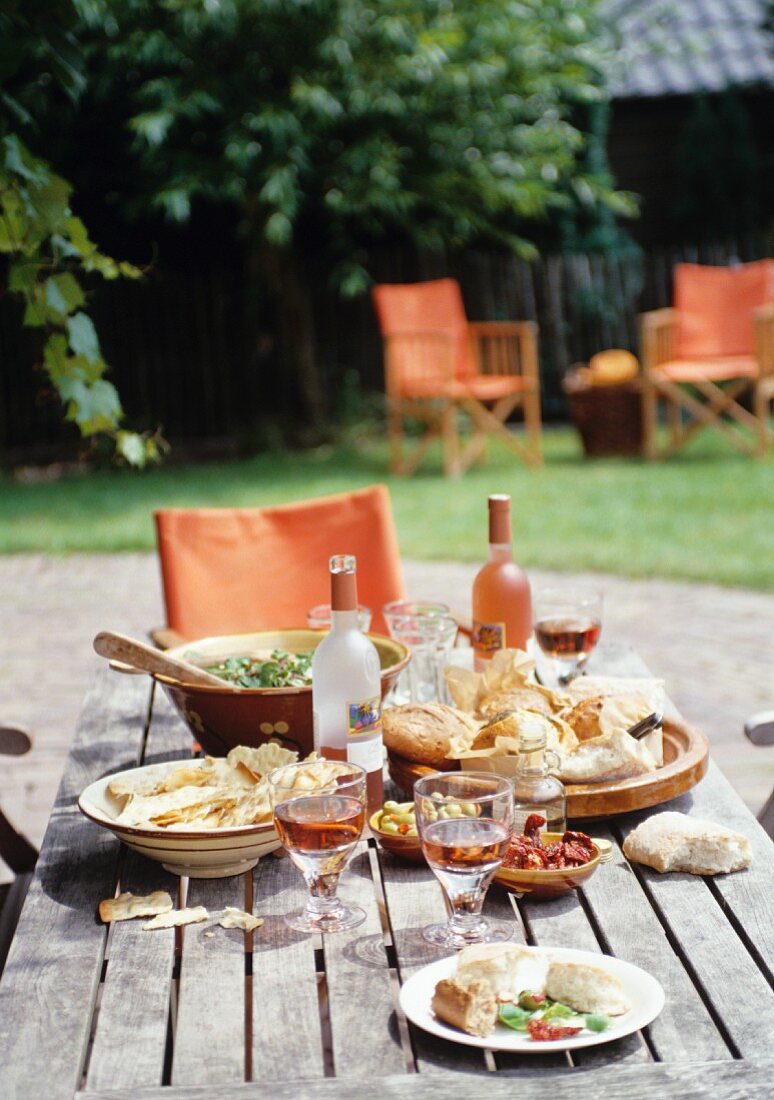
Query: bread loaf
(466,1003)
(675,842)
(586,988)
(422,732)
(508,967)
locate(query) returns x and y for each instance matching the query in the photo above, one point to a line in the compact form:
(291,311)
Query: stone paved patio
(714,648)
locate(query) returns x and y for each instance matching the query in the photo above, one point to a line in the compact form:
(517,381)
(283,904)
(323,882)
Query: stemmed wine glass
(319,812)
(568,622)
(464,822)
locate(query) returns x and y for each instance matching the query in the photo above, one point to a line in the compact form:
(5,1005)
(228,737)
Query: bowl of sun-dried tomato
(547,865)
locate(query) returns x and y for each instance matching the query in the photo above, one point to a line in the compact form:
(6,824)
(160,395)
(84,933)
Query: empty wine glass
(319,812)
(568,622)
(429,632)
(464,822)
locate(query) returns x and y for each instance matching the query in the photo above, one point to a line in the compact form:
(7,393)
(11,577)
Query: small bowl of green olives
(395,828)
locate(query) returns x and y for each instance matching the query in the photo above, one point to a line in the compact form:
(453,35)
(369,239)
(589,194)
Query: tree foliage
(47,248)
(342,122)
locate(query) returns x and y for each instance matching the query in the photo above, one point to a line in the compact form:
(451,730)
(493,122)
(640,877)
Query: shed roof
(680,47)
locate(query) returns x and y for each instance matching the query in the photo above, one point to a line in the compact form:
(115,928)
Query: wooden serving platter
(686,758)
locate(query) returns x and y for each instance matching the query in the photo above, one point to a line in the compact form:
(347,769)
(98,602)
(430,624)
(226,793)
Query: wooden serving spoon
(117,647)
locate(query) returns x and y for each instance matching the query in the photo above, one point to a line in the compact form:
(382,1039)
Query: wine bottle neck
(345,620)
(500,551)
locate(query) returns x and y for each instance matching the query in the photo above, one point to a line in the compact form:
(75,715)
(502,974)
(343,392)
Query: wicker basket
(609,418)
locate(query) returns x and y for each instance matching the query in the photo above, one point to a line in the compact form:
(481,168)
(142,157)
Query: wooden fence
(186,355)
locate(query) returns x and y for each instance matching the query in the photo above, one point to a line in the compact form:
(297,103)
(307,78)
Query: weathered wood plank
(684,1030)
(745,895)
(53,968)
(359,987)
(287,1032)
(414,899)
(130,1038)
(210,1031)
(748,1080)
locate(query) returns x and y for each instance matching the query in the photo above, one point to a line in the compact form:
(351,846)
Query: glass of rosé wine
(319,813)
(464,822)
(567,622)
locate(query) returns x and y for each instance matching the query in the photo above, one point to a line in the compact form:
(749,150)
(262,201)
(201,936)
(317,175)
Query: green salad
(545,1020)
(279,669)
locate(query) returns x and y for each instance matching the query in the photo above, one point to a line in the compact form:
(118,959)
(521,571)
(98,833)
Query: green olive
(391,807)
(468,809)
(388,827)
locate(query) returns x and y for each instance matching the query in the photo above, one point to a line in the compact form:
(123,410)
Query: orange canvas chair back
(431,308)
(234,570)
(716,307)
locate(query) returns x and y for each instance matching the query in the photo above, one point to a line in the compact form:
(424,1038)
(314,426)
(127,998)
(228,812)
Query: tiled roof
(678,47)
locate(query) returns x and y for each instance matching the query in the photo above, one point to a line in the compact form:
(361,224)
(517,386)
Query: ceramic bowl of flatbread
(206,818)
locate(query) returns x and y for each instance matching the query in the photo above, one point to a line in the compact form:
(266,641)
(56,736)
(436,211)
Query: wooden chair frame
(501,348)
(658,343)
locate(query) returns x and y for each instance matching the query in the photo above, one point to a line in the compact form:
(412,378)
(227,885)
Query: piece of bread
(675,842)
(586,988)
(615,755)
(583,717)
(526,698)
(127,906)
(422,732)
(466,1003)
(177,918)
(238,918)
(509,968)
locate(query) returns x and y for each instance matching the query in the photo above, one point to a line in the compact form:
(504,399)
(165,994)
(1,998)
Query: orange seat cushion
(716,307)
(233,570)
(486,387)
(708,370)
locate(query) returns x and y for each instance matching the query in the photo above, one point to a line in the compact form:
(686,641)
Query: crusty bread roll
(586,988)
(509,968)
(422,731)
(615,755)
(675,842)
(583,717)
(526,698)
(466,1003)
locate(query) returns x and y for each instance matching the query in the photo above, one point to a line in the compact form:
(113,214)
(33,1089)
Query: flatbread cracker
(177,918)
(127,906)
(238,918)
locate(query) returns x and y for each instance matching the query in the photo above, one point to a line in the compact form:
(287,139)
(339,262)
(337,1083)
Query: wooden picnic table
(99,1011)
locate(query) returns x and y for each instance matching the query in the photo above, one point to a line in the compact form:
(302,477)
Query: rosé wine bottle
(502,605)
(346,686)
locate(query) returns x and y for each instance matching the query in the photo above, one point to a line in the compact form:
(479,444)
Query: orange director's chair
(236,570)
(700,357)
(437,363)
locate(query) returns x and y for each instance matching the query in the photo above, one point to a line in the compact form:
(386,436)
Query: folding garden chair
(703,355)
(234,570)
(437,364)
(15,850)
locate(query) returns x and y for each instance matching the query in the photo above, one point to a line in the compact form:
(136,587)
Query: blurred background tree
(45,251)
(336,125)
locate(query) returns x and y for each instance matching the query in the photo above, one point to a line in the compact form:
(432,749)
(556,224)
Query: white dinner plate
(643,992)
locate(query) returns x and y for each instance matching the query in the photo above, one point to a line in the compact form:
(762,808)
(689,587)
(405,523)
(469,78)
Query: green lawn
(705,515)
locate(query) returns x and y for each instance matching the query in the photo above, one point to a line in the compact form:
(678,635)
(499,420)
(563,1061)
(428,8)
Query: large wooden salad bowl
(686,758)
(221,718)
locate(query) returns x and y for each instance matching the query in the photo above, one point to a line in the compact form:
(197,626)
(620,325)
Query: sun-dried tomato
(543,1031)
(532,827)
(526,852)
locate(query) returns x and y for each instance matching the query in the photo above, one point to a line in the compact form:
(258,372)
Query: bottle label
(368,754)
(488,638)
(364,717)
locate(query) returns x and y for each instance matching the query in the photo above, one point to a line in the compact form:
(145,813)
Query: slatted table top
(92,1011)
